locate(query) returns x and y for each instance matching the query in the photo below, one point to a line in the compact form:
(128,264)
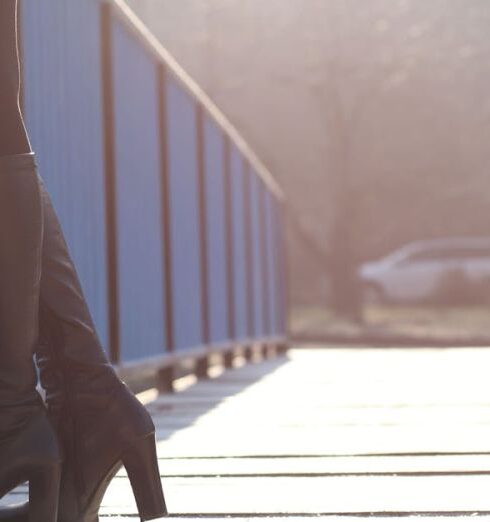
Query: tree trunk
(345,284)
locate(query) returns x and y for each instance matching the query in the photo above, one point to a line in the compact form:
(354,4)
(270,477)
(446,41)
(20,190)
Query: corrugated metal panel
(215,196)
(184,199)
(239,244)
(63,112)
(257,255)
(138,170)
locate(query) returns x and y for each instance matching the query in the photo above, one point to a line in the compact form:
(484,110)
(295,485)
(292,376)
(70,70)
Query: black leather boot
(100,424)
(28,446)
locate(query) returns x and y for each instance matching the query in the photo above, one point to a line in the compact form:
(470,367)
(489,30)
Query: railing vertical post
(230,258)
(110,179)
(265,261)
(286,273)
(166,207)
(203,363)
(247,173)
(283,270)
(166,375)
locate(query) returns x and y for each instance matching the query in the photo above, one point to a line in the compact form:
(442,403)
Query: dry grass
(421,322)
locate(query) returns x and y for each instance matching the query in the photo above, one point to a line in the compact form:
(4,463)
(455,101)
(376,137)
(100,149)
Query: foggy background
(374,116)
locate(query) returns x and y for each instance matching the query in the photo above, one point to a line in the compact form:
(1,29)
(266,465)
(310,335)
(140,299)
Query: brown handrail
(131,20)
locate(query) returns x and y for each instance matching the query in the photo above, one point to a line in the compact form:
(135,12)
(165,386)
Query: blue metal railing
(175,226)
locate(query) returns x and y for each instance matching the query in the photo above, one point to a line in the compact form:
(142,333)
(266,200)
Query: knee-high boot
(28,445)
(100,423)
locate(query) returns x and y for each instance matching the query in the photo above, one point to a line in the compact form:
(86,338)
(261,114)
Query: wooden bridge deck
(327,433)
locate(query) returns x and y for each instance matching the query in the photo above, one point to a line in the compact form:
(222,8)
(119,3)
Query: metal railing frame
(165,364)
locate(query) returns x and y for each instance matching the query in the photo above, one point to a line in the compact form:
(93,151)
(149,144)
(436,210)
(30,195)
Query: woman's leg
(13,136)
(28,445)
(99,420)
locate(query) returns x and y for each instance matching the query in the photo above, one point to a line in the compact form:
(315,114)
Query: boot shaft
(62,301)
(21,232)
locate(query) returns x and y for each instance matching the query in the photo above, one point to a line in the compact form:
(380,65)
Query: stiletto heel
(44,485)
(142,467)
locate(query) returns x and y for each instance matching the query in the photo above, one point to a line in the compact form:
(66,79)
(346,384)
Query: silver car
(417,271)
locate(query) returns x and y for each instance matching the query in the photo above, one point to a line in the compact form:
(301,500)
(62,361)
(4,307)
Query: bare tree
(352,70)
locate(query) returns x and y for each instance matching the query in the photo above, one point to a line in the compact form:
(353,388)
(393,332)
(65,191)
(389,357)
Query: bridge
(178,231)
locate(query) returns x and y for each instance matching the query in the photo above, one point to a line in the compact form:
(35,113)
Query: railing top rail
(127,15)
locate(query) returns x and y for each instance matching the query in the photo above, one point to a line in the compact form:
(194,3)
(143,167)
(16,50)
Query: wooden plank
(326,432)
(302,518)
(295,466)
(322,441)
(312,495)
(306,518)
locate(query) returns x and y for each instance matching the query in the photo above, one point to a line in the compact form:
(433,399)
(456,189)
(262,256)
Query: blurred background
(375,118)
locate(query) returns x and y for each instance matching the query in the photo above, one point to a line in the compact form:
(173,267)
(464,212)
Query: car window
(446,254)
(423,255)
(468,253)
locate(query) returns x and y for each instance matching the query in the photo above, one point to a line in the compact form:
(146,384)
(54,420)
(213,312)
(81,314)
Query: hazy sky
(381,91)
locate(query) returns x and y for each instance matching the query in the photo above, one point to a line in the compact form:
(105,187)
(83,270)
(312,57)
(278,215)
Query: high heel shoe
(28,446)
(101,430)
(142,467)
(100,423)
(101,426)
(33,456)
